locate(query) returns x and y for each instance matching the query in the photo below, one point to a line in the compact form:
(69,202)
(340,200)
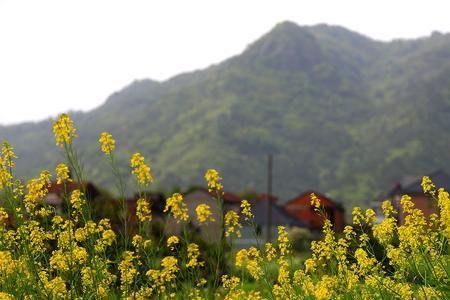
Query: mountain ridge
(315,96)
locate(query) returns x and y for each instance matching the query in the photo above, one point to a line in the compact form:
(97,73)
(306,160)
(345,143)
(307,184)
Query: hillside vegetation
(341,113)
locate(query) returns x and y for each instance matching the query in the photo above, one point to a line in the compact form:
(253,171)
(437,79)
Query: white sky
(57,55)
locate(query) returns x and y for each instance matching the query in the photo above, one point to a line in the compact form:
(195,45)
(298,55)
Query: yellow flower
(62,173)
(193,254)
(63,130)
(172,241)
(251,259)
(143,210)
(271,252)
(37,190)
(283,241)
(427,185)
(140,169)
(241,258)
(213,179)
(365,263)
(3,216)
(77,201)
(370,216)
(232,223)
(315,202)
(310,265)
(246,210)
(137,240)
(127,270)
(8,156)
(203,213)
(177,207)
(107,142)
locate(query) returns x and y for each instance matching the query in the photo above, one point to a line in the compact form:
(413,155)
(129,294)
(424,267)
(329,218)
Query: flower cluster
(213,179)
(64,130)
(232,224)
(204,213)
(143,210)
(176,206)
(107,142)
(140,169)
(246,210)
(62,173)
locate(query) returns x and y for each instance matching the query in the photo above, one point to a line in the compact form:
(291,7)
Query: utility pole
(269,198)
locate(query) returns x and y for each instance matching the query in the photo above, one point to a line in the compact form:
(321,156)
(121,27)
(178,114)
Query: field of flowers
(48,256)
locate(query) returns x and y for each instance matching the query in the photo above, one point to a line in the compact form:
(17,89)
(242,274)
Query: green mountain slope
(342,113)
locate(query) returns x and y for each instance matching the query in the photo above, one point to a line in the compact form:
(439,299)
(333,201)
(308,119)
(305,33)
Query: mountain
(341,113)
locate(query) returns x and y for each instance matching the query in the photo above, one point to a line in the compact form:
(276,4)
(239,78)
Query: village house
(300,208)
(211,230)
(261,223)
(412,187)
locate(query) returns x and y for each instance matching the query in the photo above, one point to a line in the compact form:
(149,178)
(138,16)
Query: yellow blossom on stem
(63,130)
(232,223)
(62,173)
(127,270)
(77,200)
(213,179)
(3,216)
(427,184)
(107,142)
(172,241)
(246,210)
(271,252)
(251,259)
(283,242)
(143,210)
(193,251)
(137,240)
(315,202)
(37,190)
(8,155)
(177,207)
(204,213)
(140,169)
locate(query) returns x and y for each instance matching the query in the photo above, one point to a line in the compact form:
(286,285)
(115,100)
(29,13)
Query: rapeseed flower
(107,142)
(140,169)
(62,173)
(213,179)
(232,224)
(204,213)
(143,210)
(63,130)
(246,210)
(176,206)
(172,241)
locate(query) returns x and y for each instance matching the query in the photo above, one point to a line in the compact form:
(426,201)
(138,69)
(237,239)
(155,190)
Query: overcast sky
(59,55)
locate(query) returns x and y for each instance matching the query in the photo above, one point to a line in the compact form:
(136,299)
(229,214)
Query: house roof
(279,215)
(413,185)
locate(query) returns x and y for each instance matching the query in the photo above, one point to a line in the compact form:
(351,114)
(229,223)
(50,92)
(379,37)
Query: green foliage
(342,114)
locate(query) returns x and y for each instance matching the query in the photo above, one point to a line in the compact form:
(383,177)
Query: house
(259,229)
(412,187)
(211,230)
(300,208)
